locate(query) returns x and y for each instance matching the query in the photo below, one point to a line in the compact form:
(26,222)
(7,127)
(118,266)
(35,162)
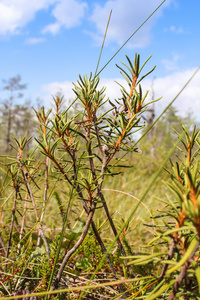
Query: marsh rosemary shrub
(74,156)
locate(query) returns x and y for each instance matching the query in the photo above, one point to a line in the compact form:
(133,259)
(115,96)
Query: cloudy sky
(50,42)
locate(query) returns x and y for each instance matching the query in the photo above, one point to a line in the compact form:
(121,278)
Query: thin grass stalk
(2,244)
(73,289)
(130,195)
(147,285)
(103,43)
(23,219)
(12,222)
(44,201)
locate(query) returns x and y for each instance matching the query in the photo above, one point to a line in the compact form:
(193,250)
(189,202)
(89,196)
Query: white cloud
(15,14)
(166,87)
(52,28)
(57,88)
(174,29)
(169,86)
(171,64)
(65,89)
(33,41)
(127,16)
(68,14)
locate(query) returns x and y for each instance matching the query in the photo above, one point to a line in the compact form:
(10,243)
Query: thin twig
(76,246)
(169,257)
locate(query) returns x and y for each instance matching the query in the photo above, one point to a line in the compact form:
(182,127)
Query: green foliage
(61,231)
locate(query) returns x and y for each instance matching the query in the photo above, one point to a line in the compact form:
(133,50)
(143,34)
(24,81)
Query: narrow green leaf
(197,272)
(145,63)
(125,73)
(185,257)
(144,258)
(146,74)
(130,64)
(161,290)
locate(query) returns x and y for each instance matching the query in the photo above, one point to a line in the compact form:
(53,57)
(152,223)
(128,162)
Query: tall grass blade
(103,43)
(78,288)
(131,37)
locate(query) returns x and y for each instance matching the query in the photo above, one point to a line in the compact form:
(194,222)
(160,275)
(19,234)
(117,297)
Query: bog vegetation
(99,200)
(75,223)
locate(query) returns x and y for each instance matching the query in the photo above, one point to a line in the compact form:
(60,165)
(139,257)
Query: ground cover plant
(63,238)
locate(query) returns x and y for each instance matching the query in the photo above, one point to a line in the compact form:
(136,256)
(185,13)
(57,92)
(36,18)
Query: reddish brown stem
(73,249)
(169,257)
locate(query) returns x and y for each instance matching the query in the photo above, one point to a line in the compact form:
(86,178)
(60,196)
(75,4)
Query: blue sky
(50,42)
